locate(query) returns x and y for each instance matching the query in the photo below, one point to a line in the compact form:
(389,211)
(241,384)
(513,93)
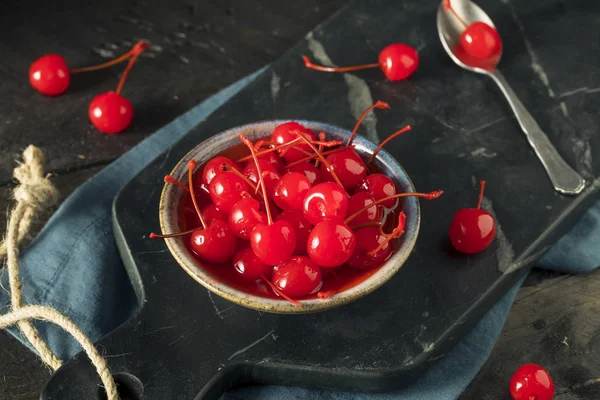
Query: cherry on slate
(472,229)
(51,76)
(398,61)
(110,112)
(531,382)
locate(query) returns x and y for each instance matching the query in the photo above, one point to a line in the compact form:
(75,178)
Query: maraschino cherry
(51,76)
(245,215)
(249,265)
(478,40)
(273,242)
(531,382)
(298,277)
(291,190)
(374,246)
(301,227)
(110,112)
(283,133)
(398,61)
(472,229)
(331,243)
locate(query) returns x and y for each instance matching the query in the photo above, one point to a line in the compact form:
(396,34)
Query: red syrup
(335,281)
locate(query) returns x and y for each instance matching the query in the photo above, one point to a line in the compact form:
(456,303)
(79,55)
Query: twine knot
(34,189)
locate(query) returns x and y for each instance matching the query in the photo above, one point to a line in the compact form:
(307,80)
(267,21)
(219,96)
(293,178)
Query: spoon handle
(564,178)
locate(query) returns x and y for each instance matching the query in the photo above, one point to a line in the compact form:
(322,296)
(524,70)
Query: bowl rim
(169,198)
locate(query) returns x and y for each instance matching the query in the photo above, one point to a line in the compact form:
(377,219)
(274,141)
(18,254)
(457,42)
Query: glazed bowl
(169,220)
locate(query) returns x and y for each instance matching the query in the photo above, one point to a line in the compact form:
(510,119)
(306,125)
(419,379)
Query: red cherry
(271,158)
(368,239)
(210,214)
(397,61)
(213,167)
(331,243)
(325,200)
(480,40)
(110,112)
(358,202)
(244,217)
(379,186)
(348,166)
(249,265)
(270,176)
(273,244)
(50,75)
(226,189)
(309,170)
(291,190)
(215,244)
(284,133)
(298,277)
(531,382)
(301,227)
(472,229)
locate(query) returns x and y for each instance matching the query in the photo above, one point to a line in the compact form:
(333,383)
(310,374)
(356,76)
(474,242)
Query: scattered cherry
(397,61)
(298,277)
(531,382)
(472,229)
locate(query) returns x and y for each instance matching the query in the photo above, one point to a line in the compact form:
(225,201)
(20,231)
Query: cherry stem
(191,167)
(229,168)
(171,179)
(318,153)
(448,6)
(134,58)
(366,224)
(481,189)
(309,64)
(137,49)
(325,153)
(280,293)
(322,139)
(427,196)
(248,143)
(392,136)
(380,104)
(397,232)
(287,145)
(171,235)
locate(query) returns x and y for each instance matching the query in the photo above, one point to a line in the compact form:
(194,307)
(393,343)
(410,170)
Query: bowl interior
(169,220)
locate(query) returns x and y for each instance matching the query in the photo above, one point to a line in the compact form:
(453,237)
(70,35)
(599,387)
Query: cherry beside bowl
(385,163)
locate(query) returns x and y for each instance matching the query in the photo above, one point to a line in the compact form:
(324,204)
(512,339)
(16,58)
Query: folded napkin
(74,266)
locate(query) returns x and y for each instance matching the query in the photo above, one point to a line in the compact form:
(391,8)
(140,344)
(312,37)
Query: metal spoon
(564,178)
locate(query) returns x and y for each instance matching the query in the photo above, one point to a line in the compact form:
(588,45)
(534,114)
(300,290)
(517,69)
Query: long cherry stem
(448,6)
(134,58)
(392,136)
(323,160)
(427,196)
(229,168)
(397,232)
(280,293)
(171,179)
(287,145)
(171,235)
(191,167)
(137,49)
(379,104)
(325,153)
(481,189)
(322,139)
(248,143)
(309,64)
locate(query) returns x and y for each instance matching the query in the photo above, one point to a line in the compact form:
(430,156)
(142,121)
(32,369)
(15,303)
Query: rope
(34,192)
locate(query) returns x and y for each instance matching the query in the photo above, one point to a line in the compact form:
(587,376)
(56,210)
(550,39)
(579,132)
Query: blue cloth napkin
(74,266)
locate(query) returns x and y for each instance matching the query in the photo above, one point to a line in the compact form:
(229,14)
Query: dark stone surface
(388,338)
(431,99)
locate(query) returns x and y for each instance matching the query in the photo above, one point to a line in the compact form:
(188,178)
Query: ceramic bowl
(169,220)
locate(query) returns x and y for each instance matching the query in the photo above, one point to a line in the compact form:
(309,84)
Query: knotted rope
(34,192)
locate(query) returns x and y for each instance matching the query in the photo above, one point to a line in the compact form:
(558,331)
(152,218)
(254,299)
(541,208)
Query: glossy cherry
(272,242)
(291,190)
(244,216)
(213,167)
(210,214)
(358,202)
(298,277)
(348,166)
(301,227)
(372,249)
(325,200)
(331,243)
(226,189)
(270,176)
(309,170)
(472,229)
(283,133)
(249,265)
(531,382)
(271,158)
(378,186)
(50,75)
(398,61)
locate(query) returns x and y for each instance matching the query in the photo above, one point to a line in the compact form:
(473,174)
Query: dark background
(198,48)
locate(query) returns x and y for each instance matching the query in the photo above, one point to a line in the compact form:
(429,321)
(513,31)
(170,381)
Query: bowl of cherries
(290,216)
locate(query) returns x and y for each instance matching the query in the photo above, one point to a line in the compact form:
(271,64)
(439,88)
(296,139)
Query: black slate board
(185,342)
